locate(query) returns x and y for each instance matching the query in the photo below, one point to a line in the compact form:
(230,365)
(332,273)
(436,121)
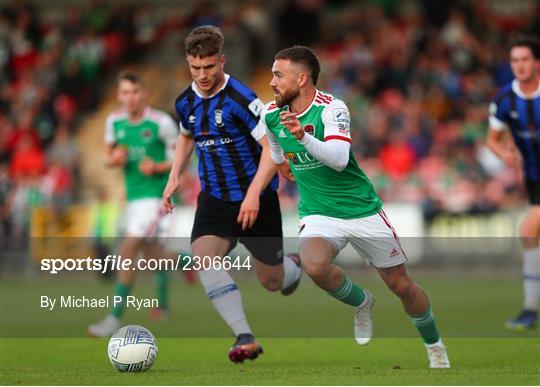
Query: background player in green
(338,204)
(140,140)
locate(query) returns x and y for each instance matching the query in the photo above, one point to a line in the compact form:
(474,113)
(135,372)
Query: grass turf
(307,337)
(286,362)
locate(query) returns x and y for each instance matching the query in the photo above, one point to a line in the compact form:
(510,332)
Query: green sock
(349,293)
(122,291)
(162,284)
(425,324)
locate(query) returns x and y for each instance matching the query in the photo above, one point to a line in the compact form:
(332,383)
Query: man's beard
(286,98)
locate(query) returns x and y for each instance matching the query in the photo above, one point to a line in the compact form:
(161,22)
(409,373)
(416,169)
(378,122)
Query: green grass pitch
(307,337)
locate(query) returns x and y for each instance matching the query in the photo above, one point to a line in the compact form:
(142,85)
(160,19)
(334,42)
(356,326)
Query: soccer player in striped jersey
(219,118)
(140,140)
(309,135)
(516,108)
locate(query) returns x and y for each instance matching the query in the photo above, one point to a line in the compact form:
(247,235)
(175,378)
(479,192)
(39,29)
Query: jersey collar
(194,87)
(146,112)
(308,107)
(519,93)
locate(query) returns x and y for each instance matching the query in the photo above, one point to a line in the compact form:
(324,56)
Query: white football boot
(438,358)
(363,323)
(104,328)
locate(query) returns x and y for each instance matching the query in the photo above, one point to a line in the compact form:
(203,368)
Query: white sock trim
(438,343)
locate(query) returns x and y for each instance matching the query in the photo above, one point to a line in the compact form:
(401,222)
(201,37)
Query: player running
(309,135)
(517,108)
(140,140)
(219,117)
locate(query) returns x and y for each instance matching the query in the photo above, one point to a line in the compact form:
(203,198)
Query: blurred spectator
(49,72)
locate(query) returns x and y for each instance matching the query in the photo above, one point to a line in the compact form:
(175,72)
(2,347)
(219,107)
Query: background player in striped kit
(140,140)
(309,133)
(219,117)
(517,108)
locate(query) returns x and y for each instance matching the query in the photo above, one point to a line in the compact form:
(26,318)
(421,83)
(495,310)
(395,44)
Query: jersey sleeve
(168,133)
(182,119)
(276,152)
(257,108)
(248,109)
(497,120)
(184,130)
(109,137)
(337,121)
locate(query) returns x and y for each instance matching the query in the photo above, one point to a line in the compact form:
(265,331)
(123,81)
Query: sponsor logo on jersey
(292,157)
(256,106)
(343,129)
(309,129)
(219,118)
(514,114)
(214,141)
(191,119)
(282,134)
(300,158)
(341,115)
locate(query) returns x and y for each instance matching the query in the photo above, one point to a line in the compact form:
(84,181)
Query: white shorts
(372,237)
(145,218)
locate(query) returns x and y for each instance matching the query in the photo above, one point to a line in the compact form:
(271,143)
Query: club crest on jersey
(219,117)
(146,134)
(309,129)
(292,157)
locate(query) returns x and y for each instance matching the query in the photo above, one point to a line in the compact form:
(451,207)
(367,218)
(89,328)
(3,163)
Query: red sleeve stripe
(324,97)
(337,138)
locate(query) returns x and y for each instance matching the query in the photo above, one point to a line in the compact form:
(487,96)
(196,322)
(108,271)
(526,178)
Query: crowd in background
(417,76)
(51,75)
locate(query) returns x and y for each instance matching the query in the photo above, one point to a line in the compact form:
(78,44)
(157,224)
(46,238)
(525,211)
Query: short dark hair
(532,42)
(128,75)
(204,41)
(303,55)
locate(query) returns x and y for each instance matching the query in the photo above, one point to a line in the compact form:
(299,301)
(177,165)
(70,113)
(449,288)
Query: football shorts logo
(292,157)
(309,129)
(219,118)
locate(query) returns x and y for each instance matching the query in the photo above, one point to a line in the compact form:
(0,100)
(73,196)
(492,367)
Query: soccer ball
(132,349)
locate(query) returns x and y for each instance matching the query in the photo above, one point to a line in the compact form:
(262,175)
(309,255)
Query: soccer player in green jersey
(140,140)
(309,134)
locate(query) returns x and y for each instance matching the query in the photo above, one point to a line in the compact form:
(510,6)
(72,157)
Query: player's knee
(315,270)
(272,284)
